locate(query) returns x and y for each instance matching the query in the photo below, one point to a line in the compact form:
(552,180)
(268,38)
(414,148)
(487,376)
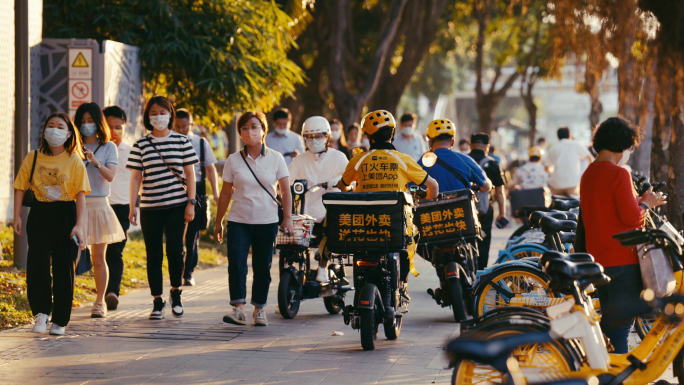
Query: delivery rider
(363,168)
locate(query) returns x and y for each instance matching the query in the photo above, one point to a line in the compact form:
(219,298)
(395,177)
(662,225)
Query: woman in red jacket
(610,205)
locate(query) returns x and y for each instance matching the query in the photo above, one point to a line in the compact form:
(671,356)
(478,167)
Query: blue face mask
(88,129)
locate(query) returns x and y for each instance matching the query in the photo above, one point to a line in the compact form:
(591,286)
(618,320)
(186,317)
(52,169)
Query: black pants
(48,229)
(620,304)
(192,238)
(486,220)
(155,224)
(114,256)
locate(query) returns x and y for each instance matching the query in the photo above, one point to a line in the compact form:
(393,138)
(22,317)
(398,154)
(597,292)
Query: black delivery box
(449,217)
(367,221)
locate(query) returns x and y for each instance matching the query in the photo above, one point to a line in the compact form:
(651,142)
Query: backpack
(482,204)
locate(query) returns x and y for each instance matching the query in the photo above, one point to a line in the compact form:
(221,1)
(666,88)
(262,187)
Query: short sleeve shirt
(56,178)
(160,186)
(285,144)
(491,168)
(531,175)
(565,158)
(463,164)
(251,204)
(209,157)
(383,170)
(107,155)
(414,147)
(119,187)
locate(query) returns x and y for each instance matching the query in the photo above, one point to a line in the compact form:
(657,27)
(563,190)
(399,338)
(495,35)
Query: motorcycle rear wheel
(287,285)
(331,304)
(369,328)
(393,328)
(457,303)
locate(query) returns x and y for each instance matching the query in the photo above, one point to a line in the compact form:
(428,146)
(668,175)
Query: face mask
(160,122)
(88,129)
(281,131)
(407,131)
(55,137)
(252,136)
(336,134)
(315,145)
(625,158)
(365,142)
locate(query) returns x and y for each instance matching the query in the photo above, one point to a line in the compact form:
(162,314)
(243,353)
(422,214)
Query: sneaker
(99,310)
(322,276)
(56,330)
(404,292)
(112,301)
(277,310)
(176,304)
(158,311)
(260,317)
(189,282)
(41,323)
(235,317)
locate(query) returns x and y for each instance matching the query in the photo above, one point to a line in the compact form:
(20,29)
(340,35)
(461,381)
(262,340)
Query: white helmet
(316,125)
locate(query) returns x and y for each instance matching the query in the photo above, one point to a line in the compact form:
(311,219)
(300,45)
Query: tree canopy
(214,57)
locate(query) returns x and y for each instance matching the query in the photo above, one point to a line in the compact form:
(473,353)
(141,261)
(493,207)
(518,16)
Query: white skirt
(100,223)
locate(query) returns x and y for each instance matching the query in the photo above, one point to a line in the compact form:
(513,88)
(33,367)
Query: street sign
(80,63)
(80,91)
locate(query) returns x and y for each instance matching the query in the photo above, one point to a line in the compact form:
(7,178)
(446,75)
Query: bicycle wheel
(538,362)
(505,284)
(643,324)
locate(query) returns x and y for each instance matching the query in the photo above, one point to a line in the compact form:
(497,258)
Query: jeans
(240,237)
(155,225)
(48,229)
(114,256)
(620,304)
(192,238)
(486,220)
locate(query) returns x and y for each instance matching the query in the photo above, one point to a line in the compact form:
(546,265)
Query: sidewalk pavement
(127,348)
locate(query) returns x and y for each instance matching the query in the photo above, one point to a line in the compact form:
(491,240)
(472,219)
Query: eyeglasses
(315,136)
(250,128)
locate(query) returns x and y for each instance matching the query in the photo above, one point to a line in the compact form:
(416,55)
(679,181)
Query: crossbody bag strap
(454,172)
(185,186)
(257,179)
(33,168)
(94,152)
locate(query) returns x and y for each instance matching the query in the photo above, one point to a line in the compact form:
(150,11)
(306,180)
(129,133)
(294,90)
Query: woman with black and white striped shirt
(163,162)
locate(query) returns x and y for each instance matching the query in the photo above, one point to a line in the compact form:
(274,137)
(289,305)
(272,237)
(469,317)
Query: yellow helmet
(536,151)
(373,121)
(439,127)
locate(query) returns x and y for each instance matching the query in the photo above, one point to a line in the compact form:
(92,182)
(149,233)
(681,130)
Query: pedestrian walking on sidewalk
(204,170)
(563,161)
(338,140)
(100,223)
(163,162)
(53,182)
(407,140)
(249,179)
(119,200)
(282,139)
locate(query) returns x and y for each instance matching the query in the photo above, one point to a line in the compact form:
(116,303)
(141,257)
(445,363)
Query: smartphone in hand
(501,223)
(75,239)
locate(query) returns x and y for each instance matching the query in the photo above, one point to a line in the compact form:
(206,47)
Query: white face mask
(365,142)
(625,157)
(55,137)
(407,130)
(281,131)
(315,145)
(160,122)
(336,134)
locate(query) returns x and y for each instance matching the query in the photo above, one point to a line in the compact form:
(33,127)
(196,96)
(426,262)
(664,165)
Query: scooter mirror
(429,159)
(298,187)
(356,151)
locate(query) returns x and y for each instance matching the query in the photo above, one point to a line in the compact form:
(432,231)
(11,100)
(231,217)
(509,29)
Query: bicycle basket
(451,216)
(303,226)
(368,221)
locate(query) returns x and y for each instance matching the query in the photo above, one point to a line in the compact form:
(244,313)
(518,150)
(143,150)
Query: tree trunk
(531,107)
(641,159)
(485,112)
(660,159)
(675,179)
(628,76)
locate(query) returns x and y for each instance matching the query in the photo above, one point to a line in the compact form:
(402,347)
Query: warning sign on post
(80,91)
(80,63)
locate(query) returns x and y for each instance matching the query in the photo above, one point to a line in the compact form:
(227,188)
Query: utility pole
(21,112)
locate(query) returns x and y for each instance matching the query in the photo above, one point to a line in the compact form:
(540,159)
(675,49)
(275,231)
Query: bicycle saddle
(565,205)
(565,274)
(572,257)
(492,352)
(567,237)
(537,216)
(551,225)
(572,216)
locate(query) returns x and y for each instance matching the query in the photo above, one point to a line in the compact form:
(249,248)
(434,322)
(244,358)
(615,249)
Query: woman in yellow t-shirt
(59,184)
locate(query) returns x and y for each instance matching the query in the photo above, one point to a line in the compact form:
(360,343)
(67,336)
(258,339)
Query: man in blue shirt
(453,171)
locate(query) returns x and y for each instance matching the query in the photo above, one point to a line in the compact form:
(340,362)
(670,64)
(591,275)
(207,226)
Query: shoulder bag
(281,211)
(29,195)
(202,207)
(483,203)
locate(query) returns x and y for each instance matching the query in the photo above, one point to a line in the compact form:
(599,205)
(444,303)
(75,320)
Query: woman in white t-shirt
(249,179)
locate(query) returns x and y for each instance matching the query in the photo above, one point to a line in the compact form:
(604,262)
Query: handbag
(202,215)
(29,195)
(281,211)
